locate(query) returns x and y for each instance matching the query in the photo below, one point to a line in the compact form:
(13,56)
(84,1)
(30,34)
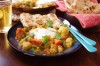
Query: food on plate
(82,7)
(43,34)
(24,3)
(33,3)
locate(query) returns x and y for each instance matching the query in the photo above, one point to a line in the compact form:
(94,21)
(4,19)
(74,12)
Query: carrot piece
(57,41)
(19,33)
(47,51)
(36,42)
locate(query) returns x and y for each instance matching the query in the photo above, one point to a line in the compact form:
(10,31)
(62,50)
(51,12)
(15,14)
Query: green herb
(27,28)
(31,34)
(26,38)
(23,35)
(65,25)
(32,49)
(45,39)
(21,41)
(58,36)
(49,23)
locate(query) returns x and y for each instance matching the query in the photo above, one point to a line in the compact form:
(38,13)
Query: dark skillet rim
(74,48)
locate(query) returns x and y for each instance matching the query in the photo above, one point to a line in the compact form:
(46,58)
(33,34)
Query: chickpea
(69,42)
(64,35)
(63,29)
(53,49)
(37,50)
(26,45)
(60,48)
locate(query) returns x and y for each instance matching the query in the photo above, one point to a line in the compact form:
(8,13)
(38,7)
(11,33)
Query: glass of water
(5,15)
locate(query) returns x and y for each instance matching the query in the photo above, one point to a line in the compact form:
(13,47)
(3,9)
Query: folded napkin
(86,20)
(95,1)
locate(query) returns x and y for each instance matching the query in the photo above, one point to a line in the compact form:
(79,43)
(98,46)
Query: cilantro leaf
(27,28)
(45,39)
(58,36)
(49,23)
(65,25)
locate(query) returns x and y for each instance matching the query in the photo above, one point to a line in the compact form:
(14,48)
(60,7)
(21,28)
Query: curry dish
(33,3)
(43,34)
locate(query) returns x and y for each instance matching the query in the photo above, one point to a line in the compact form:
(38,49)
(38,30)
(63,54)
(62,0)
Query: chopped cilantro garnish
(32,49)
(58,36)
(45,39)
(27,28)
(65,25)
(26,38)
(49,23)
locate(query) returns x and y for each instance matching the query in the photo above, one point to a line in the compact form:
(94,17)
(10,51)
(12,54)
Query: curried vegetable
(36,42)
(27,29)
(42,37)
(22,40)
(26,45)
(57,42)
(19,33)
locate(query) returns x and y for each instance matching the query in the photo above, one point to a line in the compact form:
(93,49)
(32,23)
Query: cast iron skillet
(14,43)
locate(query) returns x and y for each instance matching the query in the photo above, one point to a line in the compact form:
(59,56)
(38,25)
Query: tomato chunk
(47,51)
(57,41)
(19,33)
(36,42)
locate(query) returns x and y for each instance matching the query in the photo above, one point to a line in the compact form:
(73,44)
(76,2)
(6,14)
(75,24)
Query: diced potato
(63,31)
(64,35)
(26,45)
(29,39)
(37,50)
(69,42)
(21,42)
(60,48)
(53,49)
